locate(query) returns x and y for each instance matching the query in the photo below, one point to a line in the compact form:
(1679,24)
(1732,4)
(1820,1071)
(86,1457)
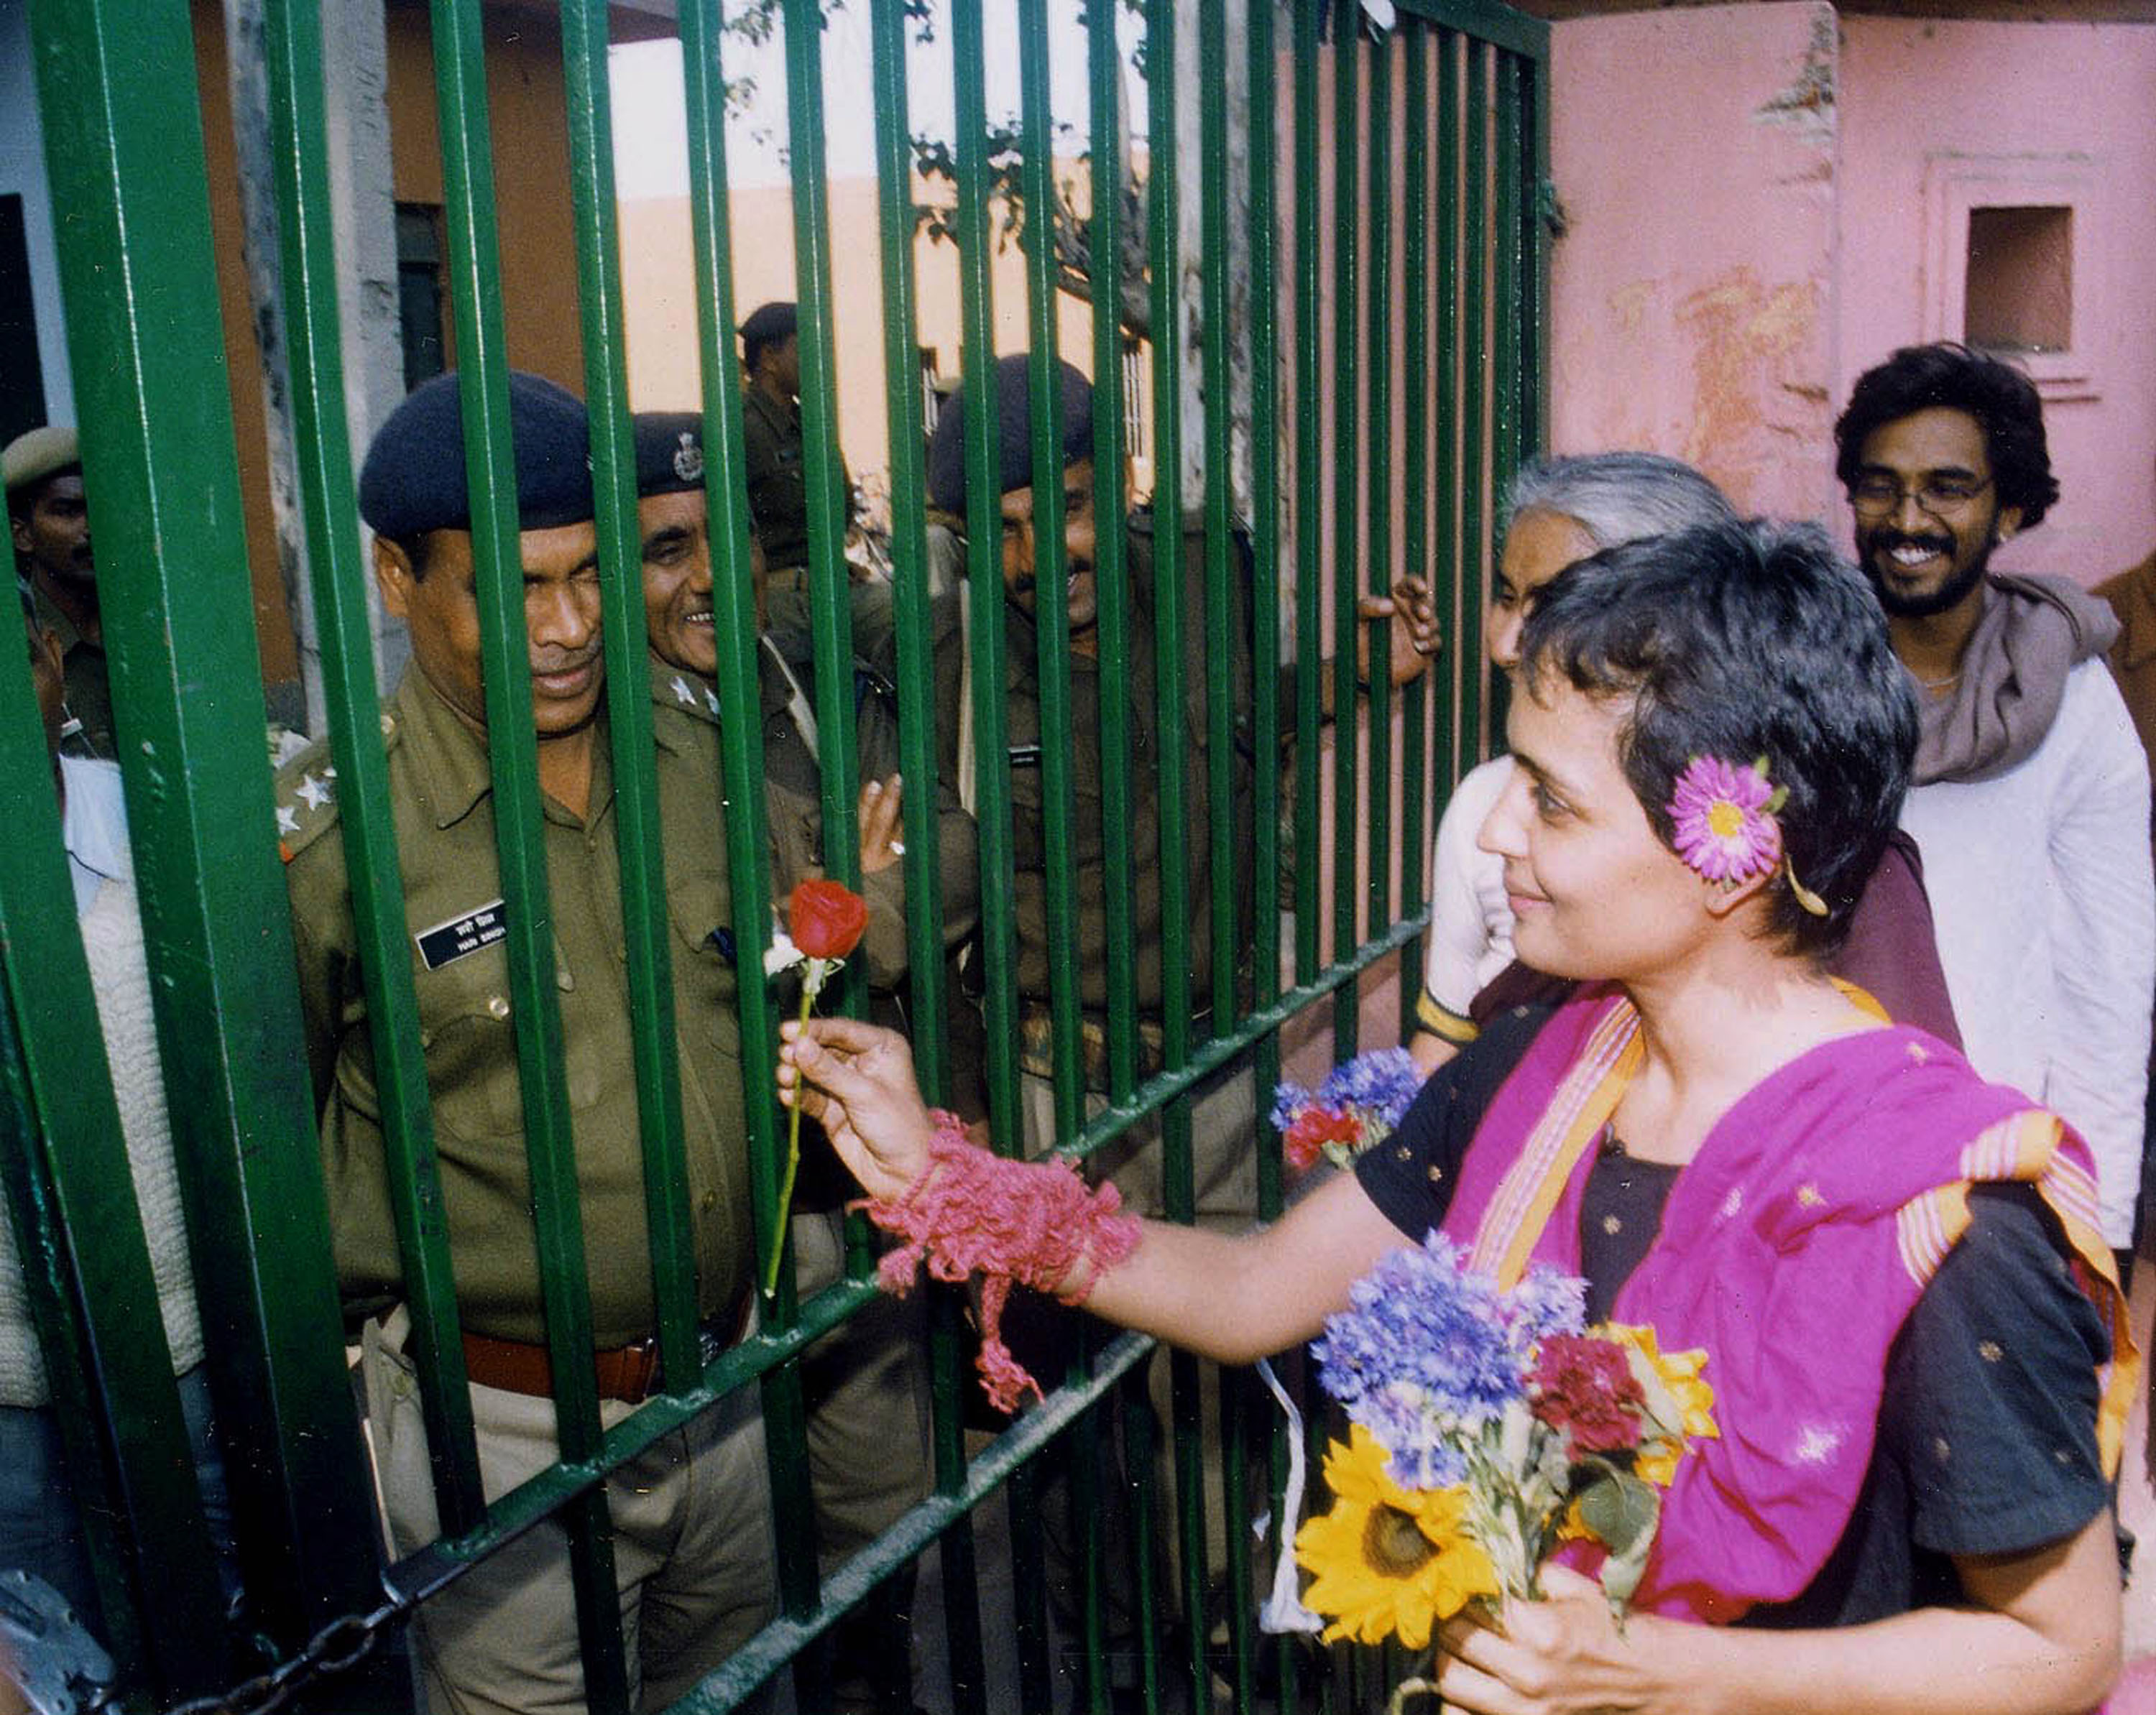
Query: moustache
(546,665)
(1931,541)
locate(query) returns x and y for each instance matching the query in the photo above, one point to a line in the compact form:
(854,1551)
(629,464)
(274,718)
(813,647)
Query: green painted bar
(315,359)
(1164,257)
(498,585)
(1223,834)
(829,582)
(1475,502)
(985,594)
(1378,550)
(740,752)
(908,544)
(644,927)
(124,157)
(1309,488)
(1532,91)
(1265,686)
(1265,550)
(1347,586)
(1454,590)
(1111,564)
(1505,281)
(1419,784)
(1488,20)
(1051,612)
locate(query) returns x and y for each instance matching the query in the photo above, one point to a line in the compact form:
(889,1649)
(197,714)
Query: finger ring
(898,848)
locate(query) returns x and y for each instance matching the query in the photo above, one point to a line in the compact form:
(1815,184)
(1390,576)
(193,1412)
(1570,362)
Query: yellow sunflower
(1691,1400)
(1386,1561)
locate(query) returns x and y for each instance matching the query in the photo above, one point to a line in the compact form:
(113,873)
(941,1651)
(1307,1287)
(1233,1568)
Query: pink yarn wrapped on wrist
(1034,1223)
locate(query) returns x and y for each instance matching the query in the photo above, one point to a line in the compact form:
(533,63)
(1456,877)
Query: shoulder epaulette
(305,793)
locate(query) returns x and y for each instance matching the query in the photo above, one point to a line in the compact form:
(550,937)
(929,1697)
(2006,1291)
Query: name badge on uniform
(445,943)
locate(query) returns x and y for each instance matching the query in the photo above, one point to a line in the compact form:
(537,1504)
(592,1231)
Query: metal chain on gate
(343,1643)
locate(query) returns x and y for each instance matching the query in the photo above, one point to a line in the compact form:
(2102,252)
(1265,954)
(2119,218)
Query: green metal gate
(1394,343)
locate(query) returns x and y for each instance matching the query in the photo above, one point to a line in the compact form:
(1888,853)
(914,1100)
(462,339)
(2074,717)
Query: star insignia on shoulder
(313,793)
(288,820)
(682,694)
(711,701)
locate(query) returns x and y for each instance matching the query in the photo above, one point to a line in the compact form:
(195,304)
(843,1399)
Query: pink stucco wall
(1764,200)
(1694,156)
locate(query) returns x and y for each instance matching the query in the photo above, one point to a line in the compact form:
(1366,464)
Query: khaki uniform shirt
(686,709)
(443,803)
(777,479)
(1089,835)
(89,683)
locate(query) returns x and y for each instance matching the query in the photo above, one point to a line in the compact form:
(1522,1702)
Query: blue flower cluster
(1378,1086)
(1431,1353)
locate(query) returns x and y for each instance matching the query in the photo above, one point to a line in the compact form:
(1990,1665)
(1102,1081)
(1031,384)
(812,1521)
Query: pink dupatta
(1791,1248)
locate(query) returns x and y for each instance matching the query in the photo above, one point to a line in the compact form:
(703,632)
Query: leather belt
(629,1373)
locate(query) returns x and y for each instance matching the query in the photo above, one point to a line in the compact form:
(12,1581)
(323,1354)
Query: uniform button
(498,1004)
(563,980)
(388,724)
(710,1201)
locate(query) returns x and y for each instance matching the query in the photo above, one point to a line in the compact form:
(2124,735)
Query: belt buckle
(639,1362)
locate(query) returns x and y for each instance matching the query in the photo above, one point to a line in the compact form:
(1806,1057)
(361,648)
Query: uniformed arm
(2042,1637)
(1234,1300)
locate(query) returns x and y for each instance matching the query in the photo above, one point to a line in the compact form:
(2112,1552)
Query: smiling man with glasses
(2030,796)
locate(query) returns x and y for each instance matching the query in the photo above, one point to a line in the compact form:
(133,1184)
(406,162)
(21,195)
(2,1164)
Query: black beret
(1013,454)
(670,452)
(414,479)
(767,324)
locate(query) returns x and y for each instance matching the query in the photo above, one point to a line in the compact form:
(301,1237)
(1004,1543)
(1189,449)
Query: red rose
(1314,1128)
(825,920)
(1585,1387)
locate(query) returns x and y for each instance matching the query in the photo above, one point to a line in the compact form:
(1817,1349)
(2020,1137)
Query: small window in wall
(1135,420)
(2019,291)
(422,293)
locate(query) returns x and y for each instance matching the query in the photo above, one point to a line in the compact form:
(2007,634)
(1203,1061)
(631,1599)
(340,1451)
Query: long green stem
(793,1166)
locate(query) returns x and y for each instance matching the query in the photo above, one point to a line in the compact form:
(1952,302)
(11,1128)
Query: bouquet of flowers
(1486,1427)
(1359,1104)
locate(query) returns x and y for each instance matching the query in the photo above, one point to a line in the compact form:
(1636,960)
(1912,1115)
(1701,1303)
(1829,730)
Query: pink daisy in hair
(1725,820)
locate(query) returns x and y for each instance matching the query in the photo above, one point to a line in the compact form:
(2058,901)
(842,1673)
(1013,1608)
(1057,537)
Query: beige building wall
(659,298)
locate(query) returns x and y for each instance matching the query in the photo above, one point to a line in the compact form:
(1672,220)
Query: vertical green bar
(1378,550)
(909,546)
(1474,468)
(830,583)
(124,153)
(1111,564)
(1263,108)
(637,839)
(1164,251)
(1453,593)
(740,749)
(1534,352)
(1511,311)
(985,594)
(1220,606)
(1347,299)
(504,666)
(1051,614)
(1310,487)
(315,359)
(1415,772)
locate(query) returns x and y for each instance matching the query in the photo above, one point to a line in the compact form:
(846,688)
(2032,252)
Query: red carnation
(1315,1127)
(1585,1387)
(824,919)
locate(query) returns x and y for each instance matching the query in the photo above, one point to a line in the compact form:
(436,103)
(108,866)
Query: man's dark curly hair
(1997,395)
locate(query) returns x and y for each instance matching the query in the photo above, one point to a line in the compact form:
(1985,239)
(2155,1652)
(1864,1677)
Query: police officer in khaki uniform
(776,469)
(866,1383)
(48,521)
(692,1534)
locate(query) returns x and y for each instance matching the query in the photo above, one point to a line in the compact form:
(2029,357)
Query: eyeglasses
(1879,493)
